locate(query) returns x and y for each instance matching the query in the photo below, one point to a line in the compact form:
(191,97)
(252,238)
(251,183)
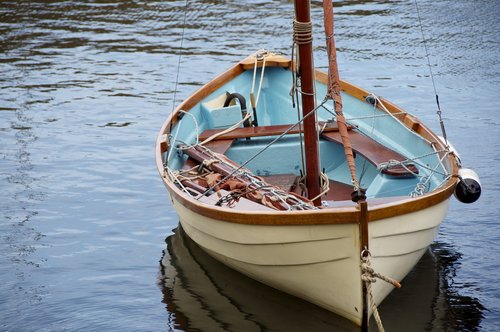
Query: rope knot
(208,162)
(369,276)
(367,272)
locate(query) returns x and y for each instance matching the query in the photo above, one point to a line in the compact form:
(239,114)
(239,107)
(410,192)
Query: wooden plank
(219,146)
(374,152)
(262,131)
(338,191)
(286,182)
(272,60)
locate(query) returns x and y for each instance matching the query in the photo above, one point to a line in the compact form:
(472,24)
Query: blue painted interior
(275,107)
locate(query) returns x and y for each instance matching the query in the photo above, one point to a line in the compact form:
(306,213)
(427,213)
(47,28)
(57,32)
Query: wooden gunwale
(345,215)
(311,217)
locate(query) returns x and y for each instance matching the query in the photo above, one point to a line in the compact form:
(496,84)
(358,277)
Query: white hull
(318,263)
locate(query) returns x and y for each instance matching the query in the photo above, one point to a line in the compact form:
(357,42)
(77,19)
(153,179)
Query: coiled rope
(302,32)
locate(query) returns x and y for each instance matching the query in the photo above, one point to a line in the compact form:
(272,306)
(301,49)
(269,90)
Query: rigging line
(294,93)
(174,138)
(179,61)
(430,71)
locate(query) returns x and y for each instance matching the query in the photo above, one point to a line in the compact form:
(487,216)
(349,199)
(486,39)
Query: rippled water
(84,88)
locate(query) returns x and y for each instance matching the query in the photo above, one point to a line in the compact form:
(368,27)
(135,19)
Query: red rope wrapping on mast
(334,89)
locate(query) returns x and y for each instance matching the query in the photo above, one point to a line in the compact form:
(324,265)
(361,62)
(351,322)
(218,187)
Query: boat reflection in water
(203,294)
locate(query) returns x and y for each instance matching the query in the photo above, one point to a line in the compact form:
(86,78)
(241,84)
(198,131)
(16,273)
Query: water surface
(84,88)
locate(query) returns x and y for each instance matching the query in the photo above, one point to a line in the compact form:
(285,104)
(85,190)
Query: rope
(333,91)
(441,122)
(369,276)
(172,141)
(393,115)
(169,154)
(421,188)
(179,61)
(233,127)
(325,185)
(302,32)
(174,178)
(391,163)
(424,183)
(259,56)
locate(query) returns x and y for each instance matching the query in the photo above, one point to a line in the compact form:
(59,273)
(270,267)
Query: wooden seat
(374,152)
(219,146)
(338,191)
(286,182)
(261,131)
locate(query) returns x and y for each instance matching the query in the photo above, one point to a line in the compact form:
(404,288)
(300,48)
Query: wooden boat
(317,198)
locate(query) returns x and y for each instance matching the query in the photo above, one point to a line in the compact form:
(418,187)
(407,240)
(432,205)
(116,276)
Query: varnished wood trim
(374,152)
(271,61)
(345,215)
(263,131)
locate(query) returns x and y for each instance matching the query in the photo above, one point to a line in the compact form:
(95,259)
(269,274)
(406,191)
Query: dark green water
(84,88)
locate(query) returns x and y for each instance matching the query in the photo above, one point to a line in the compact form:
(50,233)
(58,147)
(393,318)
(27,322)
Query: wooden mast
(306,71)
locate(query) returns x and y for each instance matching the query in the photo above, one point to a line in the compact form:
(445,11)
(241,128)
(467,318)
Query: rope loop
(208,162)
(369,273)
(421,188)
(325,185)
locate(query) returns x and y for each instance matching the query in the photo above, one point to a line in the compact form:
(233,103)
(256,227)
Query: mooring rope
(369,276)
